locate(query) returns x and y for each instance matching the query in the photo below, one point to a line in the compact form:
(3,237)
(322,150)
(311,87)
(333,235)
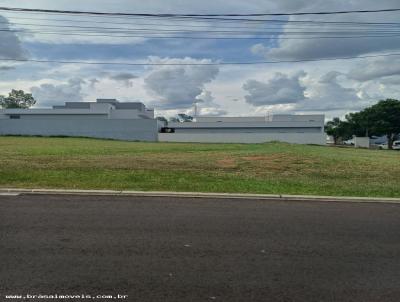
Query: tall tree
(359,123)
(17,99)
(338,129)
(384,119)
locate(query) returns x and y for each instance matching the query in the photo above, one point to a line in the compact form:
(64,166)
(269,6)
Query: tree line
(381,119)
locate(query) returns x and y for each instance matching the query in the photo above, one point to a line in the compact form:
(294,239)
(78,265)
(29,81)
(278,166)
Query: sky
(330,87)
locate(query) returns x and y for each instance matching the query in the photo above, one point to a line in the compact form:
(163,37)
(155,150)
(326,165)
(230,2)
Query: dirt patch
(226,163)
(269,157)
(281,163)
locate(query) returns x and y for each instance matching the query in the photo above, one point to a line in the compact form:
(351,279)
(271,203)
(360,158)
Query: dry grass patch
(280,163)
(227,163)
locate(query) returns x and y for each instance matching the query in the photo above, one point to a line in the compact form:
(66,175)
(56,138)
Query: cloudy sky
(332,87)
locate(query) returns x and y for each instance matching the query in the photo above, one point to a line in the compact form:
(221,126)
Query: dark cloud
(281,89)
(375,69)
(326,48)
(48,95)
(302,48)
(124,77)
(4,67)
(10,44)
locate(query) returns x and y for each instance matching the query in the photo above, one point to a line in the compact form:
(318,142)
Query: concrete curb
(14,192)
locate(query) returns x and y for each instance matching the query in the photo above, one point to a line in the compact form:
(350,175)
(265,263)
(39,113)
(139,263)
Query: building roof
(111,107)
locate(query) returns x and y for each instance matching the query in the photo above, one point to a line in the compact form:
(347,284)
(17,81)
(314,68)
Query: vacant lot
(77,163)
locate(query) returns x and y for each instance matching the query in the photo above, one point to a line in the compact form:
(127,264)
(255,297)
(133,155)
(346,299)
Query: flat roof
(50,111)
(278,124)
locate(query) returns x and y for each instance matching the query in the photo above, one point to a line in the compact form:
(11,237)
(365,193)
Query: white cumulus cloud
(179,86)
(280,89)
(48,95)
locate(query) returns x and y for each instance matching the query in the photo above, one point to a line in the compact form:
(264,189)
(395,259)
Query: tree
(338,129)
(384,119)
(17,99)
(359,124)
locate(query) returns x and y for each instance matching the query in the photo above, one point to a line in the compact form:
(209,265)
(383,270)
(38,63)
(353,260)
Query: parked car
(378,140)
(396,145)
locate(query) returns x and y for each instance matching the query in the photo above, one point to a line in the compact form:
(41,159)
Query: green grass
(275,168)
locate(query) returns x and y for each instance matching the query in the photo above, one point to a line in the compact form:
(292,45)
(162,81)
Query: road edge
(15,192)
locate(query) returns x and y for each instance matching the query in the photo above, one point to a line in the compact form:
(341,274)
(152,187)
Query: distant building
(299,129)
(106,118)
(111,119)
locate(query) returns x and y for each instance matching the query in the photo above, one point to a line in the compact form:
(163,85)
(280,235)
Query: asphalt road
(183,249)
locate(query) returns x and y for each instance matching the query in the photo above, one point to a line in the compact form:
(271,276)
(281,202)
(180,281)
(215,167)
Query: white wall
(234,125)
(262,119)
(102,107)
(125,114)
(123,129)
(361,142)
(247,138)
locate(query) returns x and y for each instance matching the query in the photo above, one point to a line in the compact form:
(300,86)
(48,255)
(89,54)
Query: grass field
(277,168)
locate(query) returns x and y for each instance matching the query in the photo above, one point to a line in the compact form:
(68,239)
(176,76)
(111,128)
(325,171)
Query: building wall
(299,129)
(361,142)
(239,125)
(250,130)
(247,138)
(125,114)
(262,119)
(123,129)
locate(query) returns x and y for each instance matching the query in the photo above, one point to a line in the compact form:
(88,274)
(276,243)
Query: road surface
(187,249)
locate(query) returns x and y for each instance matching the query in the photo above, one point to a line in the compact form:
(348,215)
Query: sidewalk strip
(15,192)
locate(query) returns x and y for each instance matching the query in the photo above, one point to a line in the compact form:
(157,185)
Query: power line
(214,19)
(194,15)
(267,21)
(125,30)
(152,36)
(374,28)
(156,33)
(316,22)
(220,19)
(225,20)
(199,64)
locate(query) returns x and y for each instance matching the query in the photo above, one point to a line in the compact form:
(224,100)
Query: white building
(106,118)
(300,129)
